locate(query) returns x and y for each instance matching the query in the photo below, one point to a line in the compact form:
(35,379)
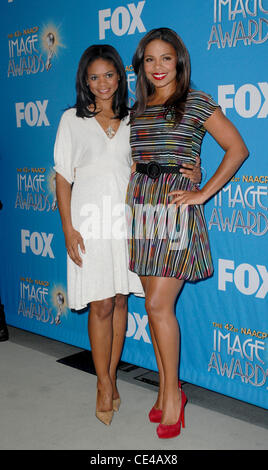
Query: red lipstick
(159,76)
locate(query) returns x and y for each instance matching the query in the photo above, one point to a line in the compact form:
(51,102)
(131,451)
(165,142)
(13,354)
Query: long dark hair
(84,97)
(144,88)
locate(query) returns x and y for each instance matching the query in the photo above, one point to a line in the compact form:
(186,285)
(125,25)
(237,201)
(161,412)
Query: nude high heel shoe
(116,401)
(105,416)
(116,404)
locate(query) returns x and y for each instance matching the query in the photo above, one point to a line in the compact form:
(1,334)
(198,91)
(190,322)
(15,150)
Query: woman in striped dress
(168,238)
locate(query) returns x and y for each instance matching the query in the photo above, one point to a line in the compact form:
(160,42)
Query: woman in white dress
(93,164)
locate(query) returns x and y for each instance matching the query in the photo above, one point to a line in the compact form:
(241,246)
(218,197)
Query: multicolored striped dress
(163,240)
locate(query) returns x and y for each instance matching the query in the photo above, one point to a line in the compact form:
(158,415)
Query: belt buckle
(153,170)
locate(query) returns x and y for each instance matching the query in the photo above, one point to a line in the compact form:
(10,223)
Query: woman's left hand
(186,197)
(193,172)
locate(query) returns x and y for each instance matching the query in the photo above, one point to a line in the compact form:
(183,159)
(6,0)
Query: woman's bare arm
(228,137)
(73,238)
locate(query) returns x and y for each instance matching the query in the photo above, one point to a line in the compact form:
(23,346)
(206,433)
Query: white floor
(46,405)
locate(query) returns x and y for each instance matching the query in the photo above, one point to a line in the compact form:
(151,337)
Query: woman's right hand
(73,239)
(133,167)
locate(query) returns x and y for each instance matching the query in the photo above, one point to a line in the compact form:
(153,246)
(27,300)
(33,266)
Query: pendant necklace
(110,132)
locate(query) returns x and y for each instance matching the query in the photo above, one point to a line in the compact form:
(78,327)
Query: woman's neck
(105,106)
(161,95)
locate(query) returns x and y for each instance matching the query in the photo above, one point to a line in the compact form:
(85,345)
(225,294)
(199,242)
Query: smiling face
(160,60)
(102,79)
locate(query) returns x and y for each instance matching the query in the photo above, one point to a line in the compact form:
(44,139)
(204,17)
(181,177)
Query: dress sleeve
(207,107)
(63,151)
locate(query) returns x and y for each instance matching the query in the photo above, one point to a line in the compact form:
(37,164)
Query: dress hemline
(86,304)
(180,277)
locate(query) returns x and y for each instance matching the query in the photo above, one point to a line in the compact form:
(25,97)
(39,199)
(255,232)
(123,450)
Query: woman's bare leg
(100,328)
(119,331)
(161,294)
(159,402)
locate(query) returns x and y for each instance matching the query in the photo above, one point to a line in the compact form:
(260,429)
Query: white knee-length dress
(98,169)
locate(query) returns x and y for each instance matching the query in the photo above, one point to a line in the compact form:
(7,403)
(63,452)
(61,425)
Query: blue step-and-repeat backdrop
(223,320)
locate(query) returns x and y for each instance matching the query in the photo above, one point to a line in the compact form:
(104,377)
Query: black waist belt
(154,169)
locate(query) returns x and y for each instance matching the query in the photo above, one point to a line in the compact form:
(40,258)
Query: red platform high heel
(155,415)
(167,431)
